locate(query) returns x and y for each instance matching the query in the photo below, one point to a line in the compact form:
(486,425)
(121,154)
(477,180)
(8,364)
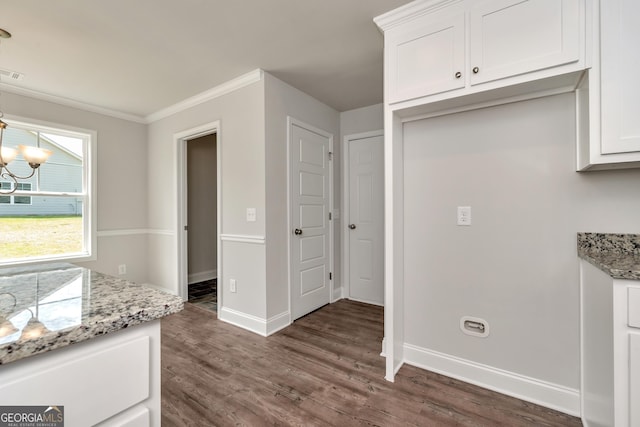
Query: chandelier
(34,156)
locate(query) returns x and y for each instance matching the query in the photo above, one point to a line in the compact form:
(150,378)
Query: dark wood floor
(325,369)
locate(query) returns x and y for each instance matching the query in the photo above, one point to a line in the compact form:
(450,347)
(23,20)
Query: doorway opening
(198,225)
(202,231)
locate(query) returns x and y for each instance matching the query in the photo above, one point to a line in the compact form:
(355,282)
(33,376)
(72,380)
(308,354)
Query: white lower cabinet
(112,380)
(610,349)
(634,378)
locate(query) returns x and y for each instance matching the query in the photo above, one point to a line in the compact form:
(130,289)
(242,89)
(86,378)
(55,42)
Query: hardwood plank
(324,370)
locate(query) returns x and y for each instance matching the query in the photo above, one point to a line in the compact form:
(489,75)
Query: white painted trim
(290,122)
(161,232)
(346,206)
(134,231)
(408,12)
(180,140)
(365,301)
(540,392)
(255,324)
(202,276)
(67,102)
(278,322)
(215,92)
(123,232)
(243,238)
(383,350)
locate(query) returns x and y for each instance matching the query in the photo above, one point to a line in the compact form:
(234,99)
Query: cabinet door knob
(352,226)
(475,70)
(297,232)
(458,75)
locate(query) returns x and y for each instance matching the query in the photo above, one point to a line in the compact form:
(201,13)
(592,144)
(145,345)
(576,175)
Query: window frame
(88,194)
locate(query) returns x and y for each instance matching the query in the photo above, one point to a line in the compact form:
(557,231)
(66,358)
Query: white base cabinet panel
(610,350)
(111,380)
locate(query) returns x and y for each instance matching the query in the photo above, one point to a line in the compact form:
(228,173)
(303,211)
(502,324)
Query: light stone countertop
(618,255)
(56,305)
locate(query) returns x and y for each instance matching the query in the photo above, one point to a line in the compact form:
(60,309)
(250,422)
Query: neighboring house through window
(11,199)
(51,215)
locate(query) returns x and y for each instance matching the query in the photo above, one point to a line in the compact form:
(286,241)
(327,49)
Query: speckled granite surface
(616,254)
(47,307)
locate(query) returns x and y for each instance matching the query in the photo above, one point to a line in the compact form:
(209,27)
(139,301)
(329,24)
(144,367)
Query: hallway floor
(204,294)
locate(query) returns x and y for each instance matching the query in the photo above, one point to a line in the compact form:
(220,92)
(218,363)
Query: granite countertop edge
(163,304)
(618,255)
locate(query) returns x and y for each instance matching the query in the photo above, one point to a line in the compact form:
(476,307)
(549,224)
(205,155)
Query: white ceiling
(140,56)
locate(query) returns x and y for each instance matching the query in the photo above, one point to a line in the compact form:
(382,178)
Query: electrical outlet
(232,285)
(122,269)
(251,214)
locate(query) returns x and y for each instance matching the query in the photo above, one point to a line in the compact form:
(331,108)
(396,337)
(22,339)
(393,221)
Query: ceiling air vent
(13,75)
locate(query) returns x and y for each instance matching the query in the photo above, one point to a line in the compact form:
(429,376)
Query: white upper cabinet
(511,37)
(428,58)
(442,49)
(609,100)
(620,90)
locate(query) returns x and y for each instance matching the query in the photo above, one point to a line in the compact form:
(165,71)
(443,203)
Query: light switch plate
(251,214)
(464,215)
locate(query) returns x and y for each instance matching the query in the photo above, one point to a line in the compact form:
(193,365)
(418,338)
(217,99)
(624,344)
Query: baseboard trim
(554,396)
(202,276)
(364,301)
(253,323)
(278,322)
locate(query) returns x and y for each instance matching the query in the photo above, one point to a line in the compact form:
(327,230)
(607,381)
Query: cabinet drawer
(634,307)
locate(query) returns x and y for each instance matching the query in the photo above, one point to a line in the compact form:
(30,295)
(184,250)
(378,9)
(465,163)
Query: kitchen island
(82,341)
(610,328)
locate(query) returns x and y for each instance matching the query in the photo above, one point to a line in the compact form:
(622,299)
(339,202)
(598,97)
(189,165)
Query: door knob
(475,70)
(352,226)
(458,75)
(297,232)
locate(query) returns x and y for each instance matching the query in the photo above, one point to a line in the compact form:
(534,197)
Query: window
(12,199)
(50,216)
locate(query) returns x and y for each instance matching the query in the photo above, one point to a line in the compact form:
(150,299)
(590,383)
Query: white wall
(283,100)
(122,181)
(360,120)
(516,266)
(241,140)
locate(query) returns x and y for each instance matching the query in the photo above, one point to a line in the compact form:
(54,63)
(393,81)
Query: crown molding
(409,11)
(215,92)
(67,102)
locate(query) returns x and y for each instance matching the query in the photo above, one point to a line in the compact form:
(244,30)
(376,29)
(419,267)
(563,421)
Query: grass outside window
(38,236)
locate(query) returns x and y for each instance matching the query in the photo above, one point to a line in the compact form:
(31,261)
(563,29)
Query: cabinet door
(426,59)
(634,379)
(620,90)
(512,37)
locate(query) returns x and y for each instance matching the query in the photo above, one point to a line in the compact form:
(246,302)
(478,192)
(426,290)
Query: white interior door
(310,206)
(366,219)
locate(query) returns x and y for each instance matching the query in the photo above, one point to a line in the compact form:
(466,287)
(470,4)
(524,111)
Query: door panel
(366,211)
(310,204)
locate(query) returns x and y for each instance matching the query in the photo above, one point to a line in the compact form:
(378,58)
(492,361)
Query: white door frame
(180,142)
(346,212)
(293,121)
